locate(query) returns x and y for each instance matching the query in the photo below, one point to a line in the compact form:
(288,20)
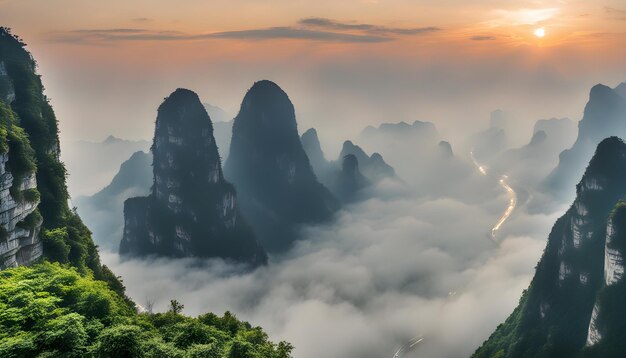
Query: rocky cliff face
(556,315)
(20,244)
(192,210)
(606,336)
(274,179)
(605,115)
(33,193)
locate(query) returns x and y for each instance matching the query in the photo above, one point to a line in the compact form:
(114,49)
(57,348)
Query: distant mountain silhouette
(400,131)
(528,165)
(87,175)
(373,167)
(103,211)
(349,181)
(276,184)
(192,210)
(488,144)
(313,149)
(344,177)
(605,115)
(445,149)
(222,128)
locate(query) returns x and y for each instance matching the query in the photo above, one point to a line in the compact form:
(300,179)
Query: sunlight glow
(540,32)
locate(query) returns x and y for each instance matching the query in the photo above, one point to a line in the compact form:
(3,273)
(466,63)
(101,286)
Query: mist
(386,270)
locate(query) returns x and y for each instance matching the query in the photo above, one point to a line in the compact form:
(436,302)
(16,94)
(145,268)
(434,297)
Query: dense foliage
(51,310)
(29,131)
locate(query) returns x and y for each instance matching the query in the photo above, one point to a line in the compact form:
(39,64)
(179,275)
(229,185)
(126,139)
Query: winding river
(512,199)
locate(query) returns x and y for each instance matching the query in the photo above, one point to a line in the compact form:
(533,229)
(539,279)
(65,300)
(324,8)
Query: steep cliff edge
(20,221)
(556,315)
(34,213)
(192,210)
(271,171)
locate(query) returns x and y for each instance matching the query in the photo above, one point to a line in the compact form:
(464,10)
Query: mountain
(487,144)
(621,89)
(192,210)
(313,149)
(36,221)
(272,173)
(405,147)
(373,167)
(605,115)
(87,176)
(418,130)
(561,132)
(445,149)
(606,336)
(103,211)
(582,258)
(349,181)
(216,113)
(223,131)
(222,128)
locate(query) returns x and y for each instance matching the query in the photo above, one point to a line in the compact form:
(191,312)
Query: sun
(540,32)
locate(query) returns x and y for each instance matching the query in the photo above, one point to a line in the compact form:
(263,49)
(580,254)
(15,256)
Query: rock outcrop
(19,220)
(276,185)
(36,220)
(192,210)
(559,314)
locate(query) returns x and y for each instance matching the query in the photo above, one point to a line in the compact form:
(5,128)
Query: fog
(415,259)
(386,270)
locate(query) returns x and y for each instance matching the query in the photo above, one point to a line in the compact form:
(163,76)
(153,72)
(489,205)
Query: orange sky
(344,63)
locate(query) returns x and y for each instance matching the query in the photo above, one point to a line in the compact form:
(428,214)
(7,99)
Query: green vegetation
(69,304)
(29,132)
(31,195)
(52,310)
(31,220)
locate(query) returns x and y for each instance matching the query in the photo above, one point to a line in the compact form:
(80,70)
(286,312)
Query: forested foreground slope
(56,298)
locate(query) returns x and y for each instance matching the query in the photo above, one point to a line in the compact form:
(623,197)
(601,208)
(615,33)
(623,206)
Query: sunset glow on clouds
(345,64)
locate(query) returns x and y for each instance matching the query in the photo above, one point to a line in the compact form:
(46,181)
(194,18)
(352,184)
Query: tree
(176,307)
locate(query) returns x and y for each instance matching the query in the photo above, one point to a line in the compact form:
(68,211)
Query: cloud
(326,23)
(91,36)
(297,33)
(311,29)
(616,14)
(482,38)
(142,19)
(386,270)
(522,16)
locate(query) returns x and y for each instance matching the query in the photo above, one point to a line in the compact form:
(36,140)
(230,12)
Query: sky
(401,263)
(345,64)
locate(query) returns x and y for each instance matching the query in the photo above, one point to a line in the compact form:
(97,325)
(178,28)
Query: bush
(121,341)
(52,310)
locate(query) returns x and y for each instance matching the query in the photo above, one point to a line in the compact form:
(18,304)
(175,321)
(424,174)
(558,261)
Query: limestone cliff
(560,312)
(272,173)
(192,210)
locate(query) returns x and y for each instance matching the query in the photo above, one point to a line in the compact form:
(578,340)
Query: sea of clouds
(388,269)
